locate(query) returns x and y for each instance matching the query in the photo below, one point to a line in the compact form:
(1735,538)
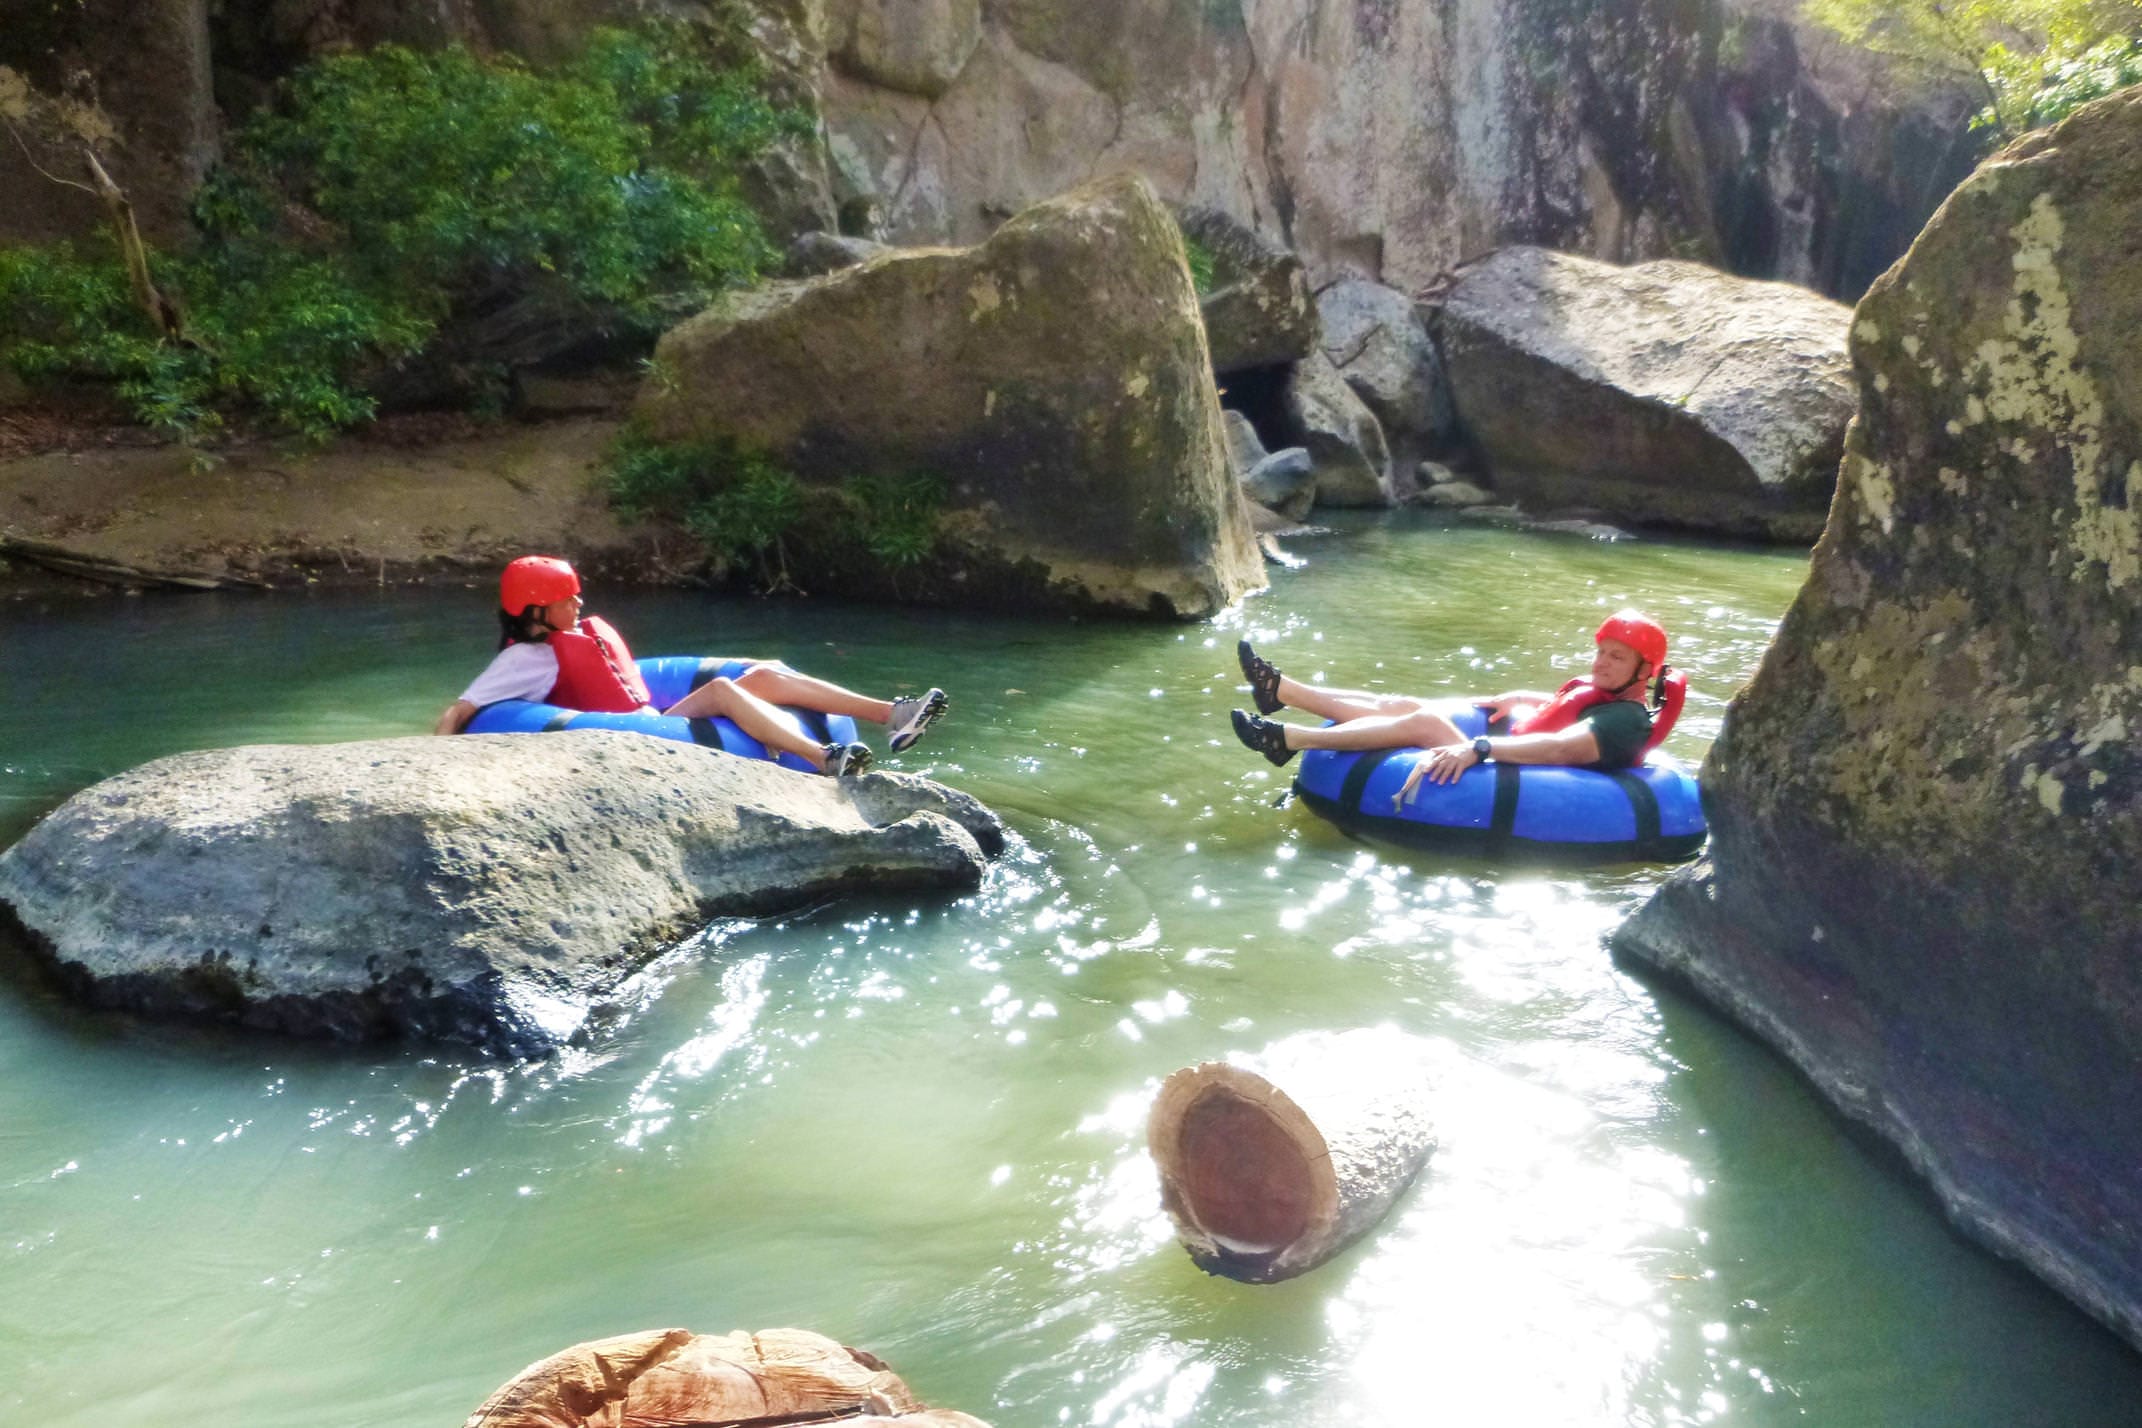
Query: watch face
(1482,747)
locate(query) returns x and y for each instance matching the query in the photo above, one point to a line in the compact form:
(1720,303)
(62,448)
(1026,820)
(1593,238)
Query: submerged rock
(1284,482)
(1665,394)
(1926,808)
(487,889)
(1054,379)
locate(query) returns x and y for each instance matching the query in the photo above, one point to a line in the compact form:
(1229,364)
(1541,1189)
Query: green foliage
(1201,265)
(736,503)
(2014,52)
(743,508)
(898,514)
(2110,65)
(392,194)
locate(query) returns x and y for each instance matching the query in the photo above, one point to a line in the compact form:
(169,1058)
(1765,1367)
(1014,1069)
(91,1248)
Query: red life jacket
(1573,698)
(595,670)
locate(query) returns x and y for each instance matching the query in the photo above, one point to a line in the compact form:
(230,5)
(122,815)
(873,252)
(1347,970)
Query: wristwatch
(1482,749)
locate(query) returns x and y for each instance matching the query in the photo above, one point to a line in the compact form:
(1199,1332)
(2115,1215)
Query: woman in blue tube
(550,653)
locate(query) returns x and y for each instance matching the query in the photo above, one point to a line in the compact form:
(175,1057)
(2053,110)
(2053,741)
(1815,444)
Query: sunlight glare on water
(918,1124)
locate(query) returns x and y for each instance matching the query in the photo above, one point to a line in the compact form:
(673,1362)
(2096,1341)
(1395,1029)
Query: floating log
(1271,1165)
(665,1377)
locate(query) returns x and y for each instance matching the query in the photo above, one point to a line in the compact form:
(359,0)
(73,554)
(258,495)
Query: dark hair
(523,628)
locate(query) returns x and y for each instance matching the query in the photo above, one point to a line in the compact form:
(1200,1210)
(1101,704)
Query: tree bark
(1272,1165)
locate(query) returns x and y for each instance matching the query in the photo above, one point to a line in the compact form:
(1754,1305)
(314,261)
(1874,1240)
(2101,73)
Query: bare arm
(455,718)
(1574,745)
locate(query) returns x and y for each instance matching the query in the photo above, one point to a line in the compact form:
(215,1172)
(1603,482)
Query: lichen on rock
(1935,763)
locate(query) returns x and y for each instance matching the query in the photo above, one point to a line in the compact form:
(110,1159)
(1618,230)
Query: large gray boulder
(1054,378)
(1377,340)
(1926,808)
(1343,437)
(1259,311)
(1665,394)
(460,889)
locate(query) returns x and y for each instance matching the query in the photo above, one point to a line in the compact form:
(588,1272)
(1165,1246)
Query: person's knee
(1422,728)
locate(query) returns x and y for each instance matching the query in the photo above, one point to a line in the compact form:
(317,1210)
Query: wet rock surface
(1926,808)
(490,890)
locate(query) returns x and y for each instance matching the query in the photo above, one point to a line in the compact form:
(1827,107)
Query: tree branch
(161,310)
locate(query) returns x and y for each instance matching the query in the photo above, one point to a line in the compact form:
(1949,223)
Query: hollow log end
(1244,1174)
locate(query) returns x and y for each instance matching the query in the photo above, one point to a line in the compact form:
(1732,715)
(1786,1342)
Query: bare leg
(1422,728)
(728,699)
(776,683)
(1341,705)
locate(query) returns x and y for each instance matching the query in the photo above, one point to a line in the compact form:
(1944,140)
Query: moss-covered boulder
(1665,394)
(1054,379)
(1258,310)
(1926,810)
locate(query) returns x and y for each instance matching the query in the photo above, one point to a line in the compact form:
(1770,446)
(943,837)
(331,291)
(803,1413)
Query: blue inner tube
(669,678)
(1512,812)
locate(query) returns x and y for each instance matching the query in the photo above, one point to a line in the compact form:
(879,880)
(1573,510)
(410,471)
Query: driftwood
(157,306)
(112,572)
(1271,1166)
(666,1377)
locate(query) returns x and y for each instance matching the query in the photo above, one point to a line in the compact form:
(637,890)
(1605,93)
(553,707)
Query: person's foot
(913,713)
(845,759)
(1266,736)
(1263,677)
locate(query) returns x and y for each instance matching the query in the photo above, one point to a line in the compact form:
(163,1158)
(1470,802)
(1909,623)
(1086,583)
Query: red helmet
(536,580)
(1639,632)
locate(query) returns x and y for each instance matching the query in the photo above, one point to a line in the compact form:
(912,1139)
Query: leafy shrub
(2020,55)
(2098,71)
(1201,265)
(898,514)
(743,508)
(736,503)
(395,193)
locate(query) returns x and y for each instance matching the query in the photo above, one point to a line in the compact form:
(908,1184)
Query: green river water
(918,1125)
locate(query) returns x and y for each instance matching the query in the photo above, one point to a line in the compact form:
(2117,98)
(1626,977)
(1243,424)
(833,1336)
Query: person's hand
(1445,762)
(1501,705)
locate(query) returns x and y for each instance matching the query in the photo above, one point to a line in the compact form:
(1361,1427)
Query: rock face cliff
(1395,140)
(1384,139)
(1926,808)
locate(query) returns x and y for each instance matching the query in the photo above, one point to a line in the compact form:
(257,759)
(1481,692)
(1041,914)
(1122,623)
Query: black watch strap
(1483,749)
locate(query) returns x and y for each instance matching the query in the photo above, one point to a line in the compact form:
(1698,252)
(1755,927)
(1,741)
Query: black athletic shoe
(845,759)
(1266,736)
(1263,677)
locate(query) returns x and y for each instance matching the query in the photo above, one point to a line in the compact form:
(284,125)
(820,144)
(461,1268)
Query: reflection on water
(920,1127)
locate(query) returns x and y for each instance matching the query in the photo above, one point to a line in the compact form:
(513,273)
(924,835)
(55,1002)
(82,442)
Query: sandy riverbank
(401,504)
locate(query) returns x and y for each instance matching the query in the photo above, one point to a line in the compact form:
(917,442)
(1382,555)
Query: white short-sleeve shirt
(519,671)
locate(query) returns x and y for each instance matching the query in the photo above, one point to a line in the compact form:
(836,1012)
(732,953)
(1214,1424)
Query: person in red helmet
(1602,722)
(551,653)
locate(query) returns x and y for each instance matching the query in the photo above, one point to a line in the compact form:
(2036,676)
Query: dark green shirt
(1620,729)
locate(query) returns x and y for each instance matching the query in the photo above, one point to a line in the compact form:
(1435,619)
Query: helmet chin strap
(1630,683)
